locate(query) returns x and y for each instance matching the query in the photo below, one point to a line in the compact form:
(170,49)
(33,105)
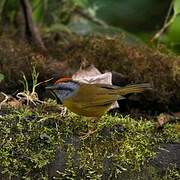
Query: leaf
(173,31)
(176,7)
(1,77)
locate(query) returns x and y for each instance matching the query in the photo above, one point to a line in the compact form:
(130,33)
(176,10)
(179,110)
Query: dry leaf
(165,118)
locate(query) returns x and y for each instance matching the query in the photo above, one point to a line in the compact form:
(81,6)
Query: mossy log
(139,63)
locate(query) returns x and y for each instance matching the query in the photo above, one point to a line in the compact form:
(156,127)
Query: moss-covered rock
(43,143)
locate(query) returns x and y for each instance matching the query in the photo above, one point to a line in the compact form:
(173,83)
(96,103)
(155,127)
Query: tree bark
(32,32)
(5,21)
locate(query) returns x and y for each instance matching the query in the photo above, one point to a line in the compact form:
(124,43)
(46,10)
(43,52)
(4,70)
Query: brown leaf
(165,118)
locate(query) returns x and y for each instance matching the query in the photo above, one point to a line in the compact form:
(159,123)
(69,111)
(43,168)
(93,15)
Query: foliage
(55,12)
(171,37)
(30,96)
(48,14)
(34,81)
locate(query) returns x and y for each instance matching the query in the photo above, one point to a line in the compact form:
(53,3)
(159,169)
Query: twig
(88,134)
(63,112)
(166,24)
(41,83)
(29,97)
(90,18)
(7,97)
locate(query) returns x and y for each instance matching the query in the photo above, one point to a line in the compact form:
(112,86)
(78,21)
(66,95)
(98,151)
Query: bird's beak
(52,87)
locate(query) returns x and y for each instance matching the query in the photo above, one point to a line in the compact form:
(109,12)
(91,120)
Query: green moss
(29,139)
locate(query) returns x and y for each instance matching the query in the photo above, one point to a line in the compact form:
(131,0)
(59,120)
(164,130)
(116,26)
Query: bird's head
(64,88)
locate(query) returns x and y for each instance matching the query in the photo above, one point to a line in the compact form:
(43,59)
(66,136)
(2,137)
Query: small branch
(166,24)
(90,18)
(41,83)
(88,134)
(7,97)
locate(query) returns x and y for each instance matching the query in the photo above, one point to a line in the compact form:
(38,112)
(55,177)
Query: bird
(91,100)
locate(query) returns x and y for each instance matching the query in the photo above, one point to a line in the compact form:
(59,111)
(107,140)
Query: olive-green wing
(90,95)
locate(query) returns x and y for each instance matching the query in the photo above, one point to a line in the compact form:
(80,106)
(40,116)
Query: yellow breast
(92,111)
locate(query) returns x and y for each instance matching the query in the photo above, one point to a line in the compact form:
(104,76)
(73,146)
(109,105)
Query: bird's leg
(91,131)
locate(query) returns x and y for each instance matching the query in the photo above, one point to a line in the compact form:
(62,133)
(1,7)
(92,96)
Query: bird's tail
(136,88)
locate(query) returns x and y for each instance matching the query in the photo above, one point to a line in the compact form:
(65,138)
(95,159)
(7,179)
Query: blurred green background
(147,20)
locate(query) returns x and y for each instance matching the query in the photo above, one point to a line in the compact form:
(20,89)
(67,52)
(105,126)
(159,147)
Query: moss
(29,139)
(172,173)
(16,58)
(139,63)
